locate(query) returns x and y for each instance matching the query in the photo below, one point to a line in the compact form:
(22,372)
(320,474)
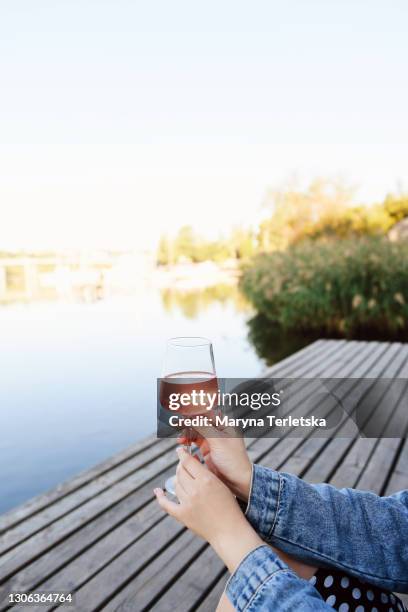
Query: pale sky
(123,119)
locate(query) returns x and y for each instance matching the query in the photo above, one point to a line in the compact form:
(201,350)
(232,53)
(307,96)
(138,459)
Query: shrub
(323,210)
(343,287)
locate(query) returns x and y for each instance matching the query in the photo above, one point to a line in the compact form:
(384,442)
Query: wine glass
(188,366)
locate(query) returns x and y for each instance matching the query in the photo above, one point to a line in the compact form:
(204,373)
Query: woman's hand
(226,456)
(210,510)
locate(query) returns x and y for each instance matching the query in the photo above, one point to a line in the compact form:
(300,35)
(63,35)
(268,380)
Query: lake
(78,380)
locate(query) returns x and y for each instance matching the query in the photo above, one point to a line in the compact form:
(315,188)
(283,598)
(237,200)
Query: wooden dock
(103,536)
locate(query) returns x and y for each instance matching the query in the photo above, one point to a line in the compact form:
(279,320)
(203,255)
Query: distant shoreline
(196,275)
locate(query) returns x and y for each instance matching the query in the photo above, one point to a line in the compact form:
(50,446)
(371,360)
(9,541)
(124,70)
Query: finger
(194,468)
(182,488)
(185,479)
(200,442)
(168,506)
(193,437)
(181,493)
(204,448)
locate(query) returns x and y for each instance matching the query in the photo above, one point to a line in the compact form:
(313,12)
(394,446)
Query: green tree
(164,251)
(185,243)
(296,212)
(396,207)
(243,243)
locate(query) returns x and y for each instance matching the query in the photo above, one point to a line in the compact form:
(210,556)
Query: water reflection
(99,276)
(270,343)
(191,303)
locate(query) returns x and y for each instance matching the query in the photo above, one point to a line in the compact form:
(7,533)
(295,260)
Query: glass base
(170,485)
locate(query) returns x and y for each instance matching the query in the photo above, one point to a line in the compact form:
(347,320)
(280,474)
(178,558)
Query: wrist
(242,488)
(231,549)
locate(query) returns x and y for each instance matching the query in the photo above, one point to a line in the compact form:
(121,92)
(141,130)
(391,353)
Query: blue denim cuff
(264,498)
(253,571)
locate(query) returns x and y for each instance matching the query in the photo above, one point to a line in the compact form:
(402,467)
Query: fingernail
(156,491)
(180,451)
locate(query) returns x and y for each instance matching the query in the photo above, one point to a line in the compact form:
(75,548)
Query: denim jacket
(357,532)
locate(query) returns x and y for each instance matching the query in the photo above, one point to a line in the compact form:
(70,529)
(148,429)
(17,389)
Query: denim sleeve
(263,582)
(355,531)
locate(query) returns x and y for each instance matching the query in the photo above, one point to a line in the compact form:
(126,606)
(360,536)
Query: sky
(121,120)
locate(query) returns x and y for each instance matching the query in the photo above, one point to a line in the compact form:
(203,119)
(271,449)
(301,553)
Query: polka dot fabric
(347,594)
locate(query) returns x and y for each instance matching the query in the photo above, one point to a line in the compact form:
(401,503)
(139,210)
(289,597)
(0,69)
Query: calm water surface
(77,381)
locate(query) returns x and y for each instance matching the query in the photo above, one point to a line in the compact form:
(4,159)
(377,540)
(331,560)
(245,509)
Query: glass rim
(189,341)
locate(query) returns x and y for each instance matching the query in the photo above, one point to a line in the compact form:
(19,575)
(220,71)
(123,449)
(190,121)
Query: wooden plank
(299,357)
(210,603)
(69,502)
(325,364)
(365,446)
(149,546)
(334,455)
(98,590)
(376,471)
(37,572)
(273,448)
(391,417)
(311,447)
(96,557)
(290,444)
(330,366)
(382,459)
(164,570)
(353,464)
(358,459)
(197,578)
(39,543)
(306,466)
(312,354)
(34,505)
(59,560)
(337,447)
